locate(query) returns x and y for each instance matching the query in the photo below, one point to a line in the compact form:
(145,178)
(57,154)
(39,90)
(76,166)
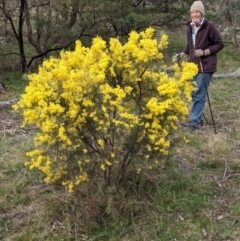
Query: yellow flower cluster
(97,108)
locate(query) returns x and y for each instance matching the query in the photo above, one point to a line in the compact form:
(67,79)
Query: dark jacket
(207,37)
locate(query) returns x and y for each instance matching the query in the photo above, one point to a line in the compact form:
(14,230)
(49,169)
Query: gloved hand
(182,55)
(199,53)
(178,57)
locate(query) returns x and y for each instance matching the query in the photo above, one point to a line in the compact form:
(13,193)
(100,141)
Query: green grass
(193,195)
(14,83)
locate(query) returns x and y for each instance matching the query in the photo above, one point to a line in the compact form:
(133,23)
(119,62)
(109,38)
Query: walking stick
(209,104)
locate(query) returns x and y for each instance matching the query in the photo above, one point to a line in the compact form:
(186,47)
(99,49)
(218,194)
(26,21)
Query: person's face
(195,15)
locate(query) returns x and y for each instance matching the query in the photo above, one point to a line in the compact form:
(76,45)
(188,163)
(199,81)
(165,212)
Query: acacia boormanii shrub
(97,109)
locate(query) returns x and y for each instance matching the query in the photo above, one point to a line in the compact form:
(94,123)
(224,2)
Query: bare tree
(17,26)
(230,10)
(47,25)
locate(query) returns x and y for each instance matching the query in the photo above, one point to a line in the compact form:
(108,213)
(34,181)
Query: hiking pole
(204,117)
(209,104)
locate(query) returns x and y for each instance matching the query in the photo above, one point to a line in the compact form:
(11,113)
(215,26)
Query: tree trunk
(18,32)
(20,37)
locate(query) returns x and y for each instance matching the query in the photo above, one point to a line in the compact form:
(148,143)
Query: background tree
(230,11)
(42,28)
(16,21)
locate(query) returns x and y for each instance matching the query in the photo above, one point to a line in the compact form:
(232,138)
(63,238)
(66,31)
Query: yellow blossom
(103,167)
(108,163)
(101,143)
(185,139)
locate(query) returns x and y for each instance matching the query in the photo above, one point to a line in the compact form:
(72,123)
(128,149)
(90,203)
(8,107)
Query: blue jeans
(199,97)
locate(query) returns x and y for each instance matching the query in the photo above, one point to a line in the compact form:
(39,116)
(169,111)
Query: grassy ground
(194,195)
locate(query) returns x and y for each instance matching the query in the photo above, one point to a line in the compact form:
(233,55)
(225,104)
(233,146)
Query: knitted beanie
(198,5)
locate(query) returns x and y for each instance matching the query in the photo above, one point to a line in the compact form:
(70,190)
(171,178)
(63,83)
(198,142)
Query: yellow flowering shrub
(98,108)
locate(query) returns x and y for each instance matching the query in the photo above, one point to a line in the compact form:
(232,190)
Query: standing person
(203,43)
